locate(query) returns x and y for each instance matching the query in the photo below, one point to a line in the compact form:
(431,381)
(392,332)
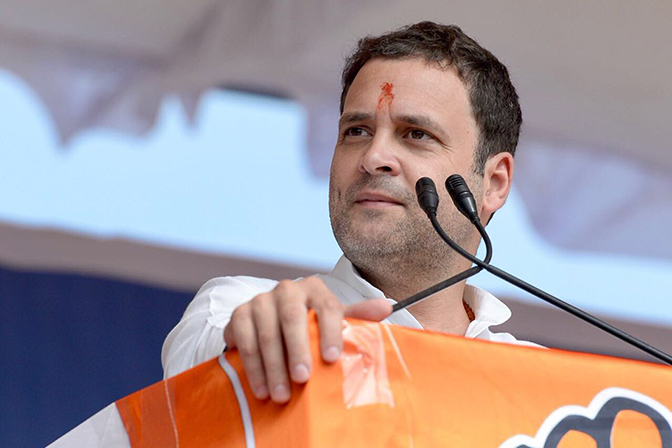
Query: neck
(443,311)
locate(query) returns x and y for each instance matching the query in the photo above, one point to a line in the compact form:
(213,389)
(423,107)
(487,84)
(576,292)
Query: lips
(372,198)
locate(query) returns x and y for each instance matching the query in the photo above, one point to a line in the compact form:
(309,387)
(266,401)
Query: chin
(376,232)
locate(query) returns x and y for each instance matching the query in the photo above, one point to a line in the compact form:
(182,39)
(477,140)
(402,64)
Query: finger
(371,309)
(329,312)
(241,333)
(229,339)
(270,341)
(293,315)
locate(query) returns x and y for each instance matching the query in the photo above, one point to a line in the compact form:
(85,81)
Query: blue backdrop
(72,344)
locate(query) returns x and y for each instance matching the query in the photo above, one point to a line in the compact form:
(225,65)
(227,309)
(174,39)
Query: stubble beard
(403,255)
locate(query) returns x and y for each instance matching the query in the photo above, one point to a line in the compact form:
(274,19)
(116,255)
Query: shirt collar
(346,272)
(488,310)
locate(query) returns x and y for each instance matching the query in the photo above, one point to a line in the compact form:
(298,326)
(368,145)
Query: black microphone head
(462,197)
(456,186)
(428,198)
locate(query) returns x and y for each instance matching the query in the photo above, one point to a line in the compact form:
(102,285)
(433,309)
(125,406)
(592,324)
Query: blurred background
(148,146)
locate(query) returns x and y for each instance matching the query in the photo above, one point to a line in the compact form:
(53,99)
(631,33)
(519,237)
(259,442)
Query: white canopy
(594,78)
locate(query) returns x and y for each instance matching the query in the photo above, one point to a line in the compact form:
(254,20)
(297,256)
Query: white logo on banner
(596,420)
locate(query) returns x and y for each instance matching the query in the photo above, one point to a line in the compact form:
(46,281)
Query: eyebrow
(353,117)
(419,120)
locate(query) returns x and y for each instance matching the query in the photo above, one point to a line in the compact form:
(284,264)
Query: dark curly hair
(493,98)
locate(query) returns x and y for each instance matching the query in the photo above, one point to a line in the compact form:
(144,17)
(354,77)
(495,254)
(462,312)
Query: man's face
(402,120)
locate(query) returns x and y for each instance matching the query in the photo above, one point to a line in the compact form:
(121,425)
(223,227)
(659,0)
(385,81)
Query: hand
(259,328)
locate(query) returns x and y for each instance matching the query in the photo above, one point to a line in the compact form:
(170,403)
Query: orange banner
(398,387)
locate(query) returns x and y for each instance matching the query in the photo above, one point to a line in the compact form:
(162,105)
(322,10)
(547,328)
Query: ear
(497,178)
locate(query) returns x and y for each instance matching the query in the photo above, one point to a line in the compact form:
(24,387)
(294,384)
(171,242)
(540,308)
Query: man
(425,100)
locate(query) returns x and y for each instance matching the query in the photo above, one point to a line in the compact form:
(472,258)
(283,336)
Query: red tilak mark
(386,95)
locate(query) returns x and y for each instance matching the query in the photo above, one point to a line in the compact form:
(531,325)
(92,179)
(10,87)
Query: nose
(380,157)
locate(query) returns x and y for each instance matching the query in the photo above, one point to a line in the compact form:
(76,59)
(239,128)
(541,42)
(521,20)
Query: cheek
(437,169)
(343,167)
(336,178)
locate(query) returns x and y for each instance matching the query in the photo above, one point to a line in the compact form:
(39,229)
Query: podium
(399,387)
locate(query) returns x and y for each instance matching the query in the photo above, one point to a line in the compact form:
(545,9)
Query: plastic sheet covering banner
(398,387)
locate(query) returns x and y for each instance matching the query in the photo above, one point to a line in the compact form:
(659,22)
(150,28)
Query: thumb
(371,309)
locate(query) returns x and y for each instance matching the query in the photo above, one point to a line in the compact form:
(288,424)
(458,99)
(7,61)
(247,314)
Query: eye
(355,132)
(417,134)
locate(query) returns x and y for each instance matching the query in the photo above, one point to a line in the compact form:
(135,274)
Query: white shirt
(199,336)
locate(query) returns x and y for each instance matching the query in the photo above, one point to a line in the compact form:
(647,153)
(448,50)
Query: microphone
(462,197)
(460,193)
(428,198)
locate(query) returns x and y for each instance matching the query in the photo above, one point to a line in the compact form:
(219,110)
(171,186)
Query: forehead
(414,83)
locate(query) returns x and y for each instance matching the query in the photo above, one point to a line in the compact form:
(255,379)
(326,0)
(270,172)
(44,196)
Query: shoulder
(236,285)
(223,294)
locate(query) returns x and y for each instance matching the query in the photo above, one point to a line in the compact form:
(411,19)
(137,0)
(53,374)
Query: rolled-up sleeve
(199,336)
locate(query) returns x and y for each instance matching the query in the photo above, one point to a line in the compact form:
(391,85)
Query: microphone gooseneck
(485,264)
(428,199)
